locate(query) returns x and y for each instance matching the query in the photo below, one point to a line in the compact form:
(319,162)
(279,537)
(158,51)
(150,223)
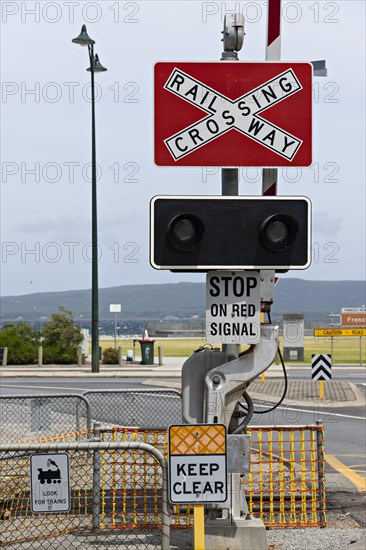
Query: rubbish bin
(147,351)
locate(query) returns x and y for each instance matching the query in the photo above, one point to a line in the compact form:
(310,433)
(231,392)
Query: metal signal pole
(273,53)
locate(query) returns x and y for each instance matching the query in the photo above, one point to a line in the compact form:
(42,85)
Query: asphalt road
(354,374)
(52,384)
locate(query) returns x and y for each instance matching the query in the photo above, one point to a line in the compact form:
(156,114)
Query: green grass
(345,350)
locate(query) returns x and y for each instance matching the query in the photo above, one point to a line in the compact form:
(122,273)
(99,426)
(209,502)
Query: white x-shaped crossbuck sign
(225,114)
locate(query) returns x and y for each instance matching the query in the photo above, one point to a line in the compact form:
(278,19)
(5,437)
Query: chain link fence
(106,481)
(31,417)
(143,408)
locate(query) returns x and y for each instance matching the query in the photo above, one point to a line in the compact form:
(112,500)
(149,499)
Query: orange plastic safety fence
(285,485)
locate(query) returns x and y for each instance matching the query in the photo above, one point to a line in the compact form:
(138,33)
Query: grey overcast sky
(46,134)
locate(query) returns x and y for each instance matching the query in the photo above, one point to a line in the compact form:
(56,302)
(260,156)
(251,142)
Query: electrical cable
(285,388)
(244,425)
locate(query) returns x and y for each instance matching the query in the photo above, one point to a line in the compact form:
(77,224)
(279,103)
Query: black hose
(242,428)
(285,388)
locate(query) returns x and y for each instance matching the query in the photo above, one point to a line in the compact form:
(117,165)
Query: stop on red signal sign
(233,114)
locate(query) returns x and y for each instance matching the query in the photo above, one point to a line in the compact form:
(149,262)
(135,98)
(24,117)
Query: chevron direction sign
(233,114)
(321,366)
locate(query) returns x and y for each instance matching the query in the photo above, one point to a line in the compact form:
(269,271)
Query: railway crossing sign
(321,366)
(50,482)
(197,463)
(233,114)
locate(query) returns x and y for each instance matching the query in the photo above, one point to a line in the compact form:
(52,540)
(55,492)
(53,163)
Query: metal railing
(102,509)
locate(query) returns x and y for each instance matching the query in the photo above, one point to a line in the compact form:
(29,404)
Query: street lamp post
(95,67)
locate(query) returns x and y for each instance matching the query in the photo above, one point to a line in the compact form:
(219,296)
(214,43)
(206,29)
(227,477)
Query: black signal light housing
(203,233)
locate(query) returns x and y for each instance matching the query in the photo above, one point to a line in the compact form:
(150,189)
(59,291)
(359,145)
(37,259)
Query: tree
(61,338)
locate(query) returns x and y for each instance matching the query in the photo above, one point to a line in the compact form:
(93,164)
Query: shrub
(110,356)
(22,342)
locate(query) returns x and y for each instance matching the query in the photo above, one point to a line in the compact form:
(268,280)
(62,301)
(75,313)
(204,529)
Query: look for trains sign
(233,114)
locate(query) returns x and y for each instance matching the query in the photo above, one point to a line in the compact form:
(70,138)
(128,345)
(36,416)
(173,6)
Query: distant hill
(313,298)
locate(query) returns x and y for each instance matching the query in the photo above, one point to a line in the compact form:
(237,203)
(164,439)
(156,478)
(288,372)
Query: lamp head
(83,39)
(98,67)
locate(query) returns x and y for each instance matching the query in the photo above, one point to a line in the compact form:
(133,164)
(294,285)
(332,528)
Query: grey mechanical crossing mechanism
(212,385)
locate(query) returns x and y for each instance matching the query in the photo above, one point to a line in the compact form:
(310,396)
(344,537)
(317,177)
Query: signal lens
(278,232)
(185,232)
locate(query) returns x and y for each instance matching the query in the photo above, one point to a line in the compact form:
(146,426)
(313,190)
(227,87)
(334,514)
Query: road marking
(41,387)
(357,480)
(312,411)
(351,454)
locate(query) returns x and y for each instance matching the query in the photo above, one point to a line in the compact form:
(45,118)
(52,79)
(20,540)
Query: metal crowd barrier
(106,509)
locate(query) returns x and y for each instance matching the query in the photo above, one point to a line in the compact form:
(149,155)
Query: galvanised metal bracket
(225,384)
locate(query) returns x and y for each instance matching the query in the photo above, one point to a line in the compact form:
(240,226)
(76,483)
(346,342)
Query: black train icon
(49,475)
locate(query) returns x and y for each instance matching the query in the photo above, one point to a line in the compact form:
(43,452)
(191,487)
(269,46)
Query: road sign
(197,463)
(321,366)
(233,307)
(353,316)
(114,308)
(50,482)
(340,332)
(233,114)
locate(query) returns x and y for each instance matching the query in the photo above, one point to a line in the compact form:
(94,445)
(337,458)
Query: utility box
(293,337)
(147,351)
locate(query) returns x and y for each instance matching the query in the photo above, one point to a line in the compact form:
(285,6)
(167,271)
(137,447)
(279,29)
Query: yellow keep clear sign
(197,463)
(197,439)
